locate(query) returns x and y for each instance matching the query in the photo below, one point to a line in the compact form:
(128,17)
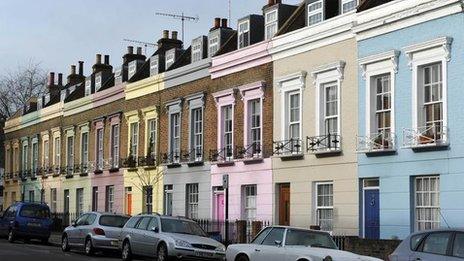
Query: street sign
(225,181)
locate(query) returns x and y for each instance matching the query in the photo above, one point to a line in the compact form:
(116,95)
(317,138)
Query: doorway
(371,209)
(284,204)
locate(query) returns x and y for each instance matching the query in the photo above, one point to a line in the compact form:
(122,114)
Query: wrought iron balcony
(69,170)
(223,155)
(112,164)
(192,156)
(147,161)
(252,151)
(129,162)
(291,147)
(174,157)
(435,135)
(376,142)
(329,143)
(57,170)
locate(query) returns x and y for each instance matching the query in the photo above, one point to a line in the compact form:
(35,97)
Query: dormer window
(213,44)
(197,49)
(271,23)
(348,5)
(243,34)
(88,87)
(98,82)
(315,12)
(170,56)
(132,68)
(154,65)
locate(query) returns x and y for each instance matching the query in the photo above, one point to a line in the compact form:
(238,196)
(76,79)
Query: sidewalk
(55,239)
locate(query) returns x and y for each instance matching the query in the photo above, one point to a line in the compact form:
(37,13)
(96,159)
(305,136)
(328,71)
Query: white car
(280,243)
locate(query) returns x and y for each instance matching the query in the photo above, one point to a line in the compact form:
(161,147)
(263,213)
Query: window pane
(437,243)
(276,234)
(458,246)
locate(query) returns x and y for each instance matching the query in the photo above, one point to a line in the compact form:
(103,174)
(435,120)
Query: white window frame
(99,157)
(213,44)
(311,13)
(241,31)
(35,156)
(170,58)
(53,200)
(175,131)
(152,125)
(79,201)
(168,191)
(132,68)
(154,65)
(109,199)
(318,207)
(69,154)
(46,152)
(250,93)
(344,2)
(134,139)
(226,133)
(24,155)
(271,23)
(192,200)
(434,51)
(115,136)
(197,49)
(57,151)
(250,194)
(434,209)
(84,159)
(196,130)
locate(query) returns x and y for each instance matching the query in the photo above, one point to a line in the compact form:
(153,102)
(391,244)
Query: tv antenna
(145,44)
(230,9)
(181,17)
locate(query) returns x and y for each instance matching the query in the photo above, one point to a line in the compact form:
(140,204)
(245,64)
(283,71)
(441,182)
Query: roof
(368,4)
(295,21)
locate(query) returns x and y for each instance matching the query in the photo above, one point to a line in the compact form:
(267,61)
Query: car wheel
(65,244)
(242,258)
(89,250)
(126,253)
(162,253)
(11,236)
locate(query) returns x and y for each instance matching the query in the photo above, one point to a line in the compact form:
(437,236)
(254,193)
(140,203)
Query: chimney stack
(165,34)
(73,69)
(107,59)
(51,79)
(217,22)
(130,49)
(174,35)
(81,68)
(60,79)
(98,58)
(270,2)
(139,50)
(224,23)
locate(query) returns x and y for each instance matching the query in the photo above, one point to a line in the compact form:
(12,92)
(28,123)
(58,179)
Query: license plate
(34,224)
(203,254)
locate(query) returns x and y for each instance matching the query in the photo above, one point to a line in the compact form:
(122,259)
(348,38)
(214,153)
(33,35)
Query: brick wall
(369,247)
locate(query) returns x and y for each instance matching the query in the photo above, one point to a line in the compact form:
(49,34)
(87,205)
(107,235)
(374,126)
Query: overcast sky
(59,33)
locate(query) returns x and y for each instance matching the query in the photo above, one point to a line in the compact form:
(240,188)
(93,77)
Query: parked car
(166,237)
(94,231)
(280,243)
(431,245)
(25,220)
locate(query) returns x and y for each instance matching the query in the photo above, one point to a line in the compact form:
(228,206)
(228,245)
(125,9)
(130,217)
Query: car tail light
(99,231)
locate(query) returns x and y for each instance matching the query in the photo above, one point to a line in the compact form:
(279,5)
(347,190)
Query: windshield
(170,225)
(113,221)
(34,211)
(309,238)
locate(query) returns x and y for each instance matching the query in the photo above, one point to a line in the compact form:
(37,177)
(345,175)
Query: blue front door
(371,214)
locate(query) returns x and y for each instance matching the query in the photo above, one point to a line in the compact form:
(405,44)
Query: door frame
(279,195)
(216,192)
(364,208)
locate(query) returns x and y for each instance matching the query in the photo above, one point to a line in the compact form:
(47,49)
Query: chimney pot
(139,50)
(130,49)
(73,69)
(174,35)
(98,58)
(224,23)
(107,59)
(60,79)
(277,1)
(270,2)
(81,68)
(51,79)
(165,34)
(217,22)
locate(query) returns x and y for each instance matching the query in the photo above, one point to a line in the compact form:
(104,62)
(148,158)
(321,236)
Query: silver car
(166,237)
(94,231)
(281,243)
(431,245)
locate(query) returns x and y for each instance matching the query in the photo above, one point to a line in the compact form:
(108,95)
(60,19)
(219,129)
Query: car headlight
(221,249)
(183,243)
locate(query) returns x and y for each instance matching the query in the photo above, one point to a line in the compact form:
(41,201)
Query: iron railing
(173,157)
(192,156)
(225,154)
(376,142)
(129,162)
(147,161)
(252,151)
(427,136)
(324,143)
(288,147)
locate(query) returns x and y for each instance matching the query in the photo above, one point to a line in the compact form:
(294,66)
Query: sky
(58,33)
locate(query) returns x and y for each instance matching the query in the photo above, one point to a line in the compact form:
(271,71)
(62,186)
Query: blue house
(411,81)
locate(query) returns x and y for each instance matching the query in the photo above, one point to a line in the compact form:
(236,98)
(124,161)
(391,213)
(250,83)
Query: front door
(220,206)
(284,205)
(371,214)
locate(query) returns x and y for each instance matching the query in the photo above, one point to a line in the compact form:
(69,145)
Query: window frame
(134,139)
(243,31)
(272,23)
(213,43)
(197,49)
(24,155)
(249,192)
(197,131)
(345,2)
(99,150)
(115,145)
(57,151)
(321,207)
(70,151)
(79,200)
(425,207)
(170,58)
(312,13)
(192,193)
(227,134)
(152,132)
(109,198)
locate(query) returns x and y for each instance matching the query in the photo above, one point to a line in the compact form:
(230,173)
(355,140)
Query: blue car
(24,220)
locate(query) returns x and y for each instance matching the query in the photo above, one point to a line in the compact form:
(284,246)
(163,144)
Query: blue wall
(395,171)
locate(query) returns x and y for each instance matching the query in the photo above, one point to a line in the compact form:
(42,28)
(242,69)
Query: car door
(86,227)
(4,222)
(151,237)
(73,232)
(457,249)
(434,247)
(271,248)
(138,243)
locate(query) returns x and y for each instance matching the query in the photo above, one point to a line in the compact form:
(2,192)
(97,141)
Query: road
(35,251)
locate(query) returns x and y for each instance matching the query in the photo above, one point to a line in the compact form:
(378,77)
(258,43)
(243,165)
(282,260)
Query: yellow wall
(143,87)
(9,187)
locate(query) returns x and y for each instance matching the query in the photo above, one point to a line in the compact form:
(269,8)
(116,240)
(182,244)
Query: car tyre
(65,244)
(11,236)
(242,258)
(126,253)
(88,247)
(162,253)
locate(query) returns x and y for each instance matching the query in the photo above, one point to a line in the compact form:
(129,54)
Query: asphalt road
(20,251)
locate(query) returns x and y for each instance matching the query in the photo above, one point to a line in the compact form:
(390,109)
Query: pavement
(55,239)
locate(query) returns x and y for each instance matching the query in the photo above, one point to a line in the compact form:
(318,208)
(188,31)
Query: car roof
(21,203)
(106,214)
(298,228)
(164,216)
(460,229)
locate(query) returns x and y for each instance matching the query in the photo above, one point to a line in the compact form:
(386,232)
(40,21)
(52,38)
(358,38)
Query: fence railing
(432,135)
(288,147)
(376,142)
(324,143)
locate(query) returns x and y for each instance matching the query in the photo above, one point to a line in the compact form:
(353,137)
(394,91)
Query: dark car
(24,220)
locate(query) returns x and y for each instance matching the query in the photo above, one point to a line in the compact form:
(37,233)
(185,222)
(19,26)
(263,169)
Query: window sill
(225,163)
(380,152)
(173,165)
(250,161)
(114,170)
(55,175)
(98,172)
(326,153)
(69,176)
(195,163)
(430,147)
(290,157)
(84,174)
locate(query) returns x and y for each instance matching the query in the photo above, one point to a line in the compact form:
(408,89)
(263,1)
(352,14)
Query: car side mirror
(278,243)
(73,223)
(155,229)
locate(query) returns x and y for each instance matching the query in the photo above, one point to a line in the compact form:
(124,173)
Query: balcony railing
(192,156)
(225,154)
(147,161)
(172,158)
(129,162)
(252,151)
(435,135)
(328,143)
(112,164)
(289,147)
(376,142)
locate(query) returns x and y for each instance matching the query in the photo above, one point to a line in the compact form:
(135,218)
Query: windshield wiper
(321,246)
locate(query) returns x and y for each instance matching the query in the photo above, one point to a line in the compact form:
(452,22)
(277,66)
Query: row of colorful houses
(336,114)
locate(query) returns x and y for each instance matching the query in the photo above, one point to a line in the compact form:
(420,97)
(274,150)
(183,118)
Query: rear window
(113,221)
(34,211)
(415,241)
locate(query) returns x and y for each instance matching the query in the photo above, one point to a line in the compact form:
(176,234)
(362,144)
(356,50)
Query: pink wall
(241,174)
(107,179)
(109,95)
